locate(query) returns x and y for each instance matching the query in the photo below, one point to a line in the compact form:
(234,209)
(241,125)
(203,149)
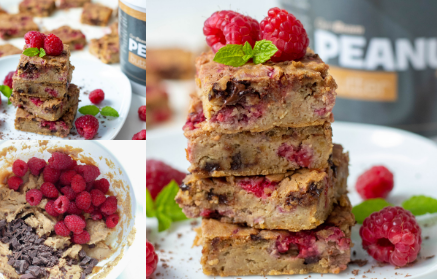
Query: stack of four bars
(264,172)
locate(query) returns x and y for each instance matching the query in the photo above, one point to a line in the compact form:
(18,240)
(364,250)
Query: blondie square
(293,201)
(72,37)
(107,48)
(96,14)
(16,25)
(170,63)
(158,107)
(44,90)
(40,8)
(232,250)
(49,69)
(259,97)
(48,109)
(25,121)
(65,4)
(8,49)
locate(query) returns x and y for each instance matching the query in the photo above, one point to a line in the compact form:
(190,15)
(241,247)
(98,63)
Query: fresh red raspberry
(53,45)
(112,220)
(73,165)
(89,186)
(51,174)
(36,165)
(61,229)
(82,238)
(141,135)
(60,161)
(151,259)
(392,235)
(69,193)
(89,172)
(34,39)
(66,177)
(8,79)
(19,168)
(142,113)
(75,223)
(72,209)
(97,197)
(89,210)
(83,200)
(78,183)
(14,182)
(376,182)
(87,126)
(102,185)
(96,215)
(49,190)
(109,206)
(34,197)
(260,186)
(97,96)
(229,27)
(286,33)
(50,209)
(61,204)
(159,174)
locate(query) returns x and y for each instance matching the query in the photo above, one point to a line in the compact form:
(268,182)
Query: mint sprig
(367,207)
(34,51)
(6,91)
(420,205)
(238,55)
(164,208)
(93,110)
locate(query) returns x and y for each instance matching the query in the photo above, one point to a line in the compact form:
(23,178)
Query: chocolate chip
(236,163)
(256,237)
(184,187)
(210,167)
(82,254)
(222,199)
(304,198)
(234,92)
(311,260)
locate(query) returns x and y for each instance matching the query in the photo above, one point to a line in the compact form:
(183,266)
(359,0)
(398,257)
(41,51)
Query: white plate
(88,75)
(412,158)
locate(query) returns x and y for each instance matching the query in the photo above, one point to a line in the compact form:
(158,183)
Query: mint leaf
(6,91)
(364,209)
(33,51)
(150,205)
(108,111)
(231,55)
(248,51)
(91,109)
(420,205)
(42,52)
(164,222)
(263,51)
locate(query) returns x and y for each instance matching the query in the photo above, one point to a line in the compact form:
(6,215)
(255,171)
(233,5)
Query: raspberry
(34,39)
(78,183)
(73,165)
(89,210)
(72,209)
(49,190)
(286,33)
(82,238)
(97,197)
(8,79)
(36,165)
(19,168)
(141,135)
(392,235)
(193,119)
(376,182)
(51,174)
(96,215)
(60,161)
(14,182)
(109,206)
(258,185)
(112,220)
(89,172)
(97,96)
(34,197)
(69,193)
(75,223)
(61,229)
(66,177)
(83,200)
(50,209)
(89,186)
(102,185)
(53,45)
(158,175)
(151,259)
(142,113)
(229,27)
(87,126)
(61,204)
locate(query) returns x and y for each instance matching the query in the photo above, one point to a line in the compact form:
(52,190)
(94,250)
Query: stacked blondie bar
(264,172)
(47,102)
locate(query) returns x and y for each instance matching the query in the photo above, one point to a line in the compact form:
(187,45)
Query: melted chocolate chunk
(236,162)
(311,260)
(234,92)
(28,68)
(210,167)
(184,187)
(304,198)
(256,237)
(221,198)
